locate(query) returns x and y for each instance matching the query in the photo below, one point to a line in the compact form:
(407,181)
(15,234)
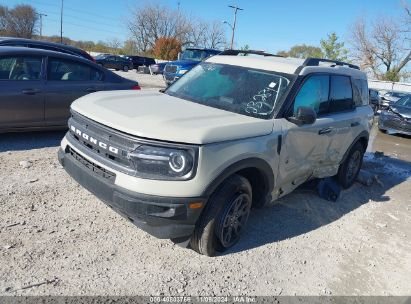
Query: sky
(269,25)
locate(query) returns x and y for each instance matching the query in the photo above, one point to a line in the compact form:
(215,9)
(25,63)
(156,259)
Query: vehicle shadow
(30,140)
(303,210)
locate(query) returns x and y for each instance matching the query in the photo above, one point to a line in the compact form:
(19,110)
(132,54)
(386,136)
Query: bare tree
(154,21)
(215,36)
(20,21)
(384,49)
(114,44)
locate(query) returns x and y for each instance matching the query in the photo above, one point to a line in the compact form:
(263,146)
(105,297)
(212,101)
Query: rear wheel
(349,169)
(226,214)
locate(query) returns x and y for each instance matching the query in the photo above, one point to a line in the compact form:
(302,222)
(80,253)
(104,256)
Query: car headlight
(164,163)
(182,71)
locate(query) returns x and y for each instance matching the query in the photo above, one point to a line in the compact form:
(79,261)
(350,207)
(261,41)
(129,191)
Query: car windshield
(405,101)
(396,94)
(196,55)
(236,89)
(101,56)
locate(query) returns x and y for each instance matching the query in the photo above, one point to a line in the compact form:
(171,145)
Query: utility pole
(61,22)
(41,15)
(236,8)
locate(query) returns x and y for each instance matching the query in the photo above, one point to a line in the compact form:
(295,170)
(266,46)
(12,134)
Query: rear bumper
(162,217)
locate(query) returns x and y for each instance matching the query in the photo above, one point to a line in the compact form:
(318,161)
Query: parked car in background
(114,62)
(397,117)
(45,45)
(391,97)
(375,100)
(188,59)
(158,68)
(141,61)
(37,87)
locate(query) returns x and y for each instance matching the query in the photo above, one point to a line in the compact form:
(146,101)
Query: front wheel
(125,68)
(349,169)
(226,214)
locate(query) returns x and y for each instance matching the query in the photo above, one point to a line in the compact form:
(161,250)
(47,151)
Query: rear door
(21,91)
(68,80)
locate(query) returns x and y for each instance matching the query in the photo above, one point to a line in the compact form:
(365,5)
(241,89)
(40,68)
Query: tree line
(382,46)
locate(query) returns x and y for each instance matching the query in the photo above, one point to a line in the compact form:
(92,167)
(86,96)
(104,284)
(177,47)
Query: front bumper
(162,217)
(393,126)
(169,78)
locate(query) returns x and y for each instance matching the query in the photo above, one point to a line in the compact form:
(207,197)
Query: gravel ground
(144,80)
(58,239)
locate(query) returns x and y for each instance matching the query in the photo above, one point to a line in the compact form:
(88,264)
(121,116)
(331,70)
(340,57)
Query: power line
(72,9)
(86,26)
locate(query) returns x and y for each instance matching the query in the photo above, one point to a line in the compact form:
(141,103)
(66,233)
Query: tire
(225,215)
(125,68)
(349,169)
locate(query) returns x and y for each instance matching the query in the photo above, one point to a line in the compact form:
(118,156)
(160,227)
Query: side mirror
(304,116)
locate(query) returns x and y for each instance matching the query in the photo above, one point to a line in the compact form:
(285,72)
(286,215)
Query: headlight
(164,163)
(182,71)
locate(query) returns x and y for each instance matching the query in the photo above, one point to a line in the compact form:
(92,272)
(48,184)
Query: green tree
(332,49)
(302,51)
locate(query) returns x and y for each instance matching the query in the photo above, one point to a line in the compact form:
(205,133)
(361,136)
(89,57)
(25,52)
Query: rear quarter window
(341,94)
(360,92)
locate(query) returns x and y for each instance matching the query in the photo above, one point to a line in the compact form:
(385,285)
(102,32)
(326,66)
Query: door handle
(90,90)
(355,124)
(325,131)
(30,91)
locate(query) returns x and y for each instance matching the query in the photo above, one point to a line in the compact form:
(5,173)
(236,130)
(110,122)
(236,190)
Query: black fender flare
(257,163)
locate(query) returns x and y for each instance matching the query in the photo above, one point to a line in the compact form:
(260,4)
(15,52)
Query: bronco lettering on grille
(94,141)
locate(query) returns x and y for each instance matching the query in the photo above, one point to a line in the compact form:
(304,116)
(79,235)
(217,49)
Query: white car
(233,133)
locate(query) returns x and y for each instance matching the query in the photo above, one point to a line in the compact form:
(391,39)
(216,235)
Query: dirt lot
(56,234)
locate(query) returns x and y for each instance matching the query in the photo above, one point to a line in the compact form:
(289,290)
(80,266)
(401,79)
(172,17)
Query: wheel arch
(257,171)
(362,138)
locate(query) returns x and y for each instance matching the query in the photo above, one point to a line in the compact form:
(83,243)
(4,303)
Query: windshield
(101,56)
(196,55)
(232,88)
(396,94)
(405,101)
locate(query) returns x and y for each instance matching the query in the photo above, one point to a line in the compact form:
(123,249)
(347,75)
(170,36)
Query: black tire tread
(342,170)
(203,239)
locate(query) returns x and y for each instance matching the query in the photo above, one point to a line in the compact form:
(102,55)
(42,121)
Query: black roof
(25,40)
(17,50)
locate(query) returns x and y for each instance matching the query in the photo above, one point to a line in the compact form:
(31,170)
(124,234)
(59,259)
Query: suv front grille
(106,145)
(91,166)
(170,68)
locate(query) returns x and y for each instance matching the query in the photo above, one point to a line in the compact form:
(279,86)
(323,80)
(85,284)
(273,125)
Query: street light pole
(236,8)
(41,15)
(61,22)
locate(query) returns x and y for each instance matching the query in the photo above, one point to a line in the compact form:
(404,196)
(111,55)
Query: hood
(159,116)
(185,63)
(402,110)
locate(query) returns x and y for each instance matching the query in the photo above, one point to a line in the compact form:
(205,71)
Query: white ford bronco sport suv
(235,132)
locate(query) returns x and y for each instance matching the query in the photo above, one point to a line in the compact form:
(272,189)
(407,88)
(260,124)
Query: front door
(21,92)
(305,148)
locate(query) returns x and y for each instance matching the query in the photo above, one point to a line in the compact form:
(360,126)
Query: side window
(20,68)
(360,92)
(67,70)
(341,94)
(314,94)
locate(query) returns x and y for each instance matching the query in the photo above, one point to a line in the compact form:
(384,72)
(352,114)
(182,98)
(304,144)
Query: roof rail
(246,52)
(316,62)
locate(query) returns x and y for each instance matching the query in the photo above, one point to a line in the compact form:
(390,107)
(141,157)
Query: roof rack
(316,62)
(246,52)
